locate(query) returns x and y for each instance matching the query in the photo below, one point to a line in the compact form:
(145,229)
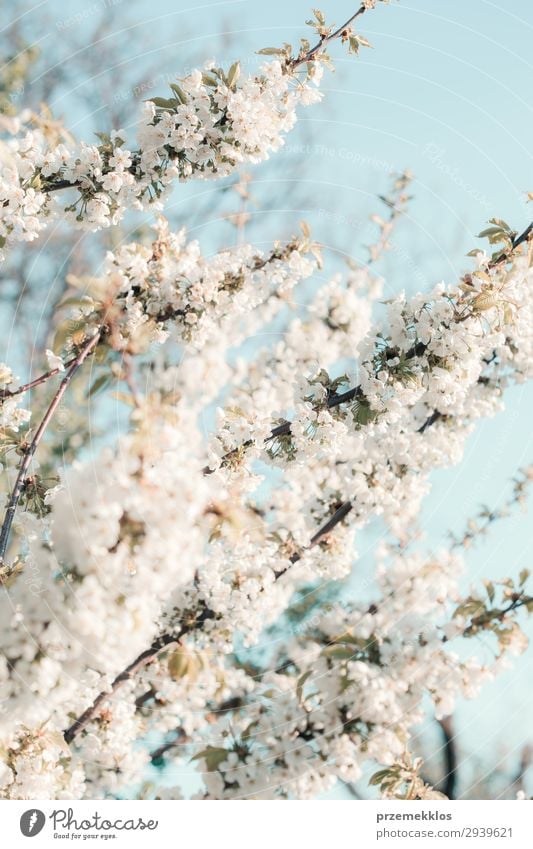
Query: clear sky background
(446,93)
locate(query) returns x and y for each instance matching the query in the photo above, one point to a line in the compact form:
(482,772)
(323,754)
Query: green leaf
(490,231)
(179,664)
(213,757)
(247,733)
(64,332)
(379,776)
(233,74)
(489,587)
(362,413)
(99,384)
(523,576)
(271,51)
(163,102)
(300,684)
(180,94)
(77,302)
(470,607)
(503,225)
(339,652)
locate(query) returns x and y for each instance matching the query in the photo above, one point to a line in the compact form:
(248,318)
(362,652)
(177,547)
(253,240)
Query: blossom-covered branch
(212,123)
(148,602)
(32,444)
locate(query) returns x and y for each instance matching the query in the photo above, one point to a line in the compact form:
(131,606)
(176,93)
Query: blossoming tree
(139,579)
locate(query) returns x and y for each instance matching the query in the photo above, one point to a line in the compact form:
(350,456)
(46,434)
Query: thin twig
(325,39)
(9,393)
(32,446)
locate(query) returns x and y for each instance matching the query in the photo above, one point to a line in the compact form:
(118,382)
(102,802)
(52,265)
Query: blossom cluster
(108,569)
(212,124)
(154,579)
(12,416)
(148,292)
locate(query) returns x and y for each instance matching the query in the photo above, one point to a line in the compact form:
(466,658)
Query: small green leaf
(339,652)
(490,231)
(163,102)
(180,94)
(362,413)
(271,51)
(99,384)
(489,587)
(213,757)
(233,74)
(363,41)
(300,684)
(379,776)
(499,222)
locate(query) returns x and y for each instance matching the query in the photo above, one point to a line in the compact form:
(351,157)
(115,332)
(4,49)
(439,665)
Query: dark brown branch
(523,237)
(449,783)
(145,657)
(9,393)
(325,39)
(159,753)
(339,514)
(32,446)
(335,400)
(434,417)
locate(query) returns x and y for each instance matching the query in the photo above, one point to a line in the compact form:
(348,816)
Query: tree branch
(340,513)
(284,429)
(325,39)
(450,757)
(146,657)
(32,446)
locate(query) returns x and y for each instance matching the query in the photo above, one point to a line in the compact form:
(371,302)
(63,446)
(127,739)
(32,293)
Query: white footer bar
(272,825)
